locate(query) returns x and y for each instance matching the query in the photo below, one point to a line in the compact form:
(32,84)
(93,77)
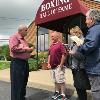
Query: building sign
(55,7)
(52,10)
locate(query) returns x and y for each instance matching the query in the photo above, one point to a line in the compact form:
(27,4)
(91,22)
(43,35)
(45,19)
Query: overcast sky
(15,12)
(97,0)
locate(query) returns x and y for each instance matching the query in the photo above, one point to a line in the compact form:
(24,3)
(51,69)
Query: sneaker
(55,96)
(62,97)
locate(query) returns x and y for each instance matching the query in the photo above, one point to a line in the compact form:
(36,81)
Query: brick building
(91,3)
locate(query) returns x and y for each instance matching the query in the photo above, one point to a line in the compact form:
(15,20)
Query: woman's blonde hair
(76,31)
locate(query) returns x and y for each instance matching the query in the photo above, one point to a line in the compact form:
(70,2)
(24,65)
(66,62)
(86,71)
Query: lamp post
(44,42)
(37,45)
(40,42)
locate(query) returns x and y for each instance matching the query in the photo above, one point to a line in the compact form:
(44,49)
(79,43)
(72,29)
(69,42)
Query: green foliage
(4,64)
(4,51)
(43,56)
(2,58)
(33,65)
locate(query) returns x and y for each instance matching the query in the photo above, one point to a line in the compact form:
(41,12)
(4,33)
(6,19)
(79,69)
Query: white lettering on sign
(50,8)
(64,8)
(48,13)
(52,4)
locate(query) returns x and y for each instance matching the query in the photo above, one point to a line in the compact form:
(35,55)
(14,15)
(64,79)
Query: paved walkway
(41,77)
(41,81)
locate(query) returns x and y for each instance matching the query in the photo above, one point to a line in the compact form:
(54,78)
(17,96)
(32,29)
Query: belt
(19,59)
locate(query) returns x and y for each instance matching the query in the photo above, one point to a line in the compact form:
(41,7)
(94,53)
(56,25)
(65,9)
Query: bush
(43,56)
(4,51)
(33,64)
(4,64)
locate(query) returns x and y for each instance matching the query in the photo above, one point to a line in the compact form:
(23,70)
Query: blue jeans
(19,72)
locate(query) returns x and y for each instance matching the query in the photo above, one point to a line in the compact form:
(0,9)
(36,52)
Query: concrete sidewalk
(41,77)
(41,80)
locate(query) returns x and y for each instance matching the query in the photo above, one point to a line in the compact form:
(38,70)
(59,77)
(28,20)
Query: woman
(80,78)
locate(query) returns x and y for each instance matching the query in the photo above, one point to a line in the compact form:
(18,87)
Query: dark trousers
(82,94)
(95,86)
(19,72)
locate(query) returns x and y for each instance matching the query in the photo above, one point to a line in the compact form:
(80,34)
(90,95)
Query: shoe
(62,97)
(55,96)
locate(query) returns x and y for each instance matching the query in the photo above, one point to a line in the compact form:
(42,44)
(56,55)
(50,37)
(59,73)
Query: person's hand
(29,50)
(78,44)
(60,67)
(49,66)
(32,48)
(71,52)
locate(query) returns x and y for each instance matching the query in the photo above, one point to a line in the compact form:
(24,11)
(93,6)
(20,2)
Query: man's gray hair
(20,27)
(94,14)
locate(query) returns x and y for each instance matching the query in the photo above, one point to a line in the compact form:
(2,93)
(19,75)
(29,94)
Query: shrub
(4,64)
(33,64)
(4,51)
(43,56)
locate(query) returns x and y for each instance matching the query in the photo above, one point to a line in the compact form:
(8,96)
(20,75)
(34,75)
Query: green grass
(4,65)
(32,65)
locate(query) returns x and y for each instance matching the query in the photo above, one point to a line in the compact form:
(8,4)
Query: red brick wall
(91,4)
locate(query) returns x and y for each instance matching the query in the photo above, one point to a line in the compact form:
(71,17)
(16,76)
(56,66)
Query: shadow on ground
(46,95)
(32,93)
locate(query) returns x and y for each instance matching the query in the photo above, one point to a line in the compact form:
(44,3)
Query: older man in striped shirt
(19,68)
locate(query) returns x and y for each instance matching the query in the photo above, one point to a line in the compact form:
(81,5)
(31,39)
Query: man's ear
(92,20)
